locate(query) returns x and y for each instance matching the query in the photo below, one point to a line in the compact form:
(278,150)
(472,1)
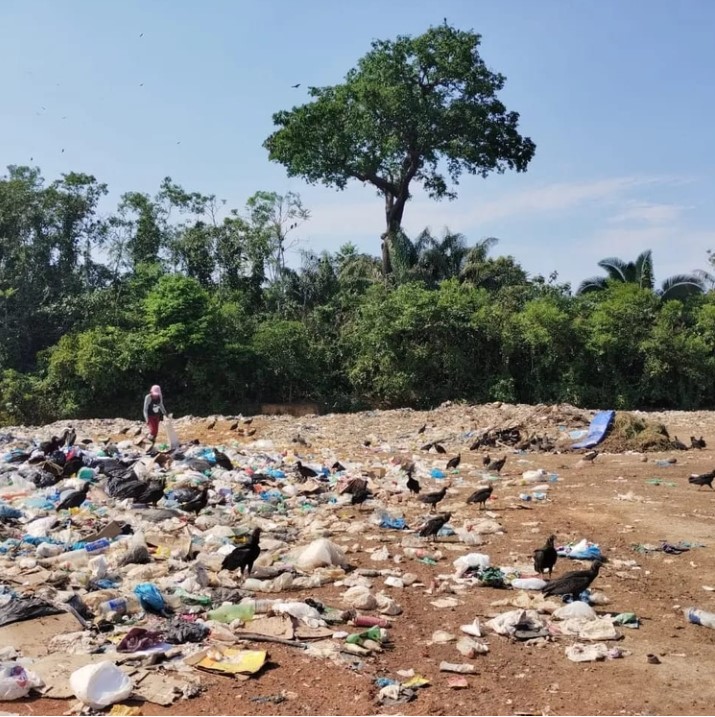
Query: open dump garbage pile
(122,571)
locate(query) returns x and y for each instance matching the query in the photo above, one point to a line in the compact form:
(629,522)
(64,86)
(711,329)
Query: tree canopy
(419,109)
(178,289)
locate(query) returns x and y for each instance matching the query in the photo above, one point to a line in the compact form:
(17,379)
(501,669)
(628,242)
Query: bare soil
(512,678)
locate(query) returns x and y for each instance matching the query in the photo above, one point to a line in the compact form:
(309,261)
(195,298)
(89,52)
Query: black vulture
(434,525)
(496,466)
(573,583)
(481,496)
(245,555)
(432,499)
(545,558)
(74,499)
(703,479)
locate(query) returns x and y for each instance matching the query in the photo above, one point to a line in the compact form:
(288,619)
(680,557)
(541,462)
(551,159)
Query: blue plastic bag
(437,473)
(150,598)
(389,521)
(7,512)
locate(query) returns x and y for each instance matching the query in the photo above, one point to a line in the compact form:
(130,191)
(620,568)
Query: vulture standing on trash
(481,496)
(223,460)
(198,503)
(573,583)
(697,443)
(703,479)
(304,471)
(678,445)
(440,448)
(433,498)
(545,558)
(454,462)
(422,429)
(153,492)
(245,555)
(360,495)
(496,466)
(413,484)
(74,499)
(434,525)
(486,460)
(337,467)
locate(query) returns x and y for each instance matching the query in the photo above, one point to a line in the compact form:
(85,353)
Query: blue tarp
(597,430)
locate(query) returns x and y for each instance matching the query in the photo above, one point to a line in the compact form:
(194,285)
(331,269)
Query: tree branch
(379,182)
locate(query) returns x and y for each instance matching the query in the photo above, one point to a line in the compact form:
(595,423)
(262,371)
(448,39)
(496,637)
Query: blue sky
(618,97)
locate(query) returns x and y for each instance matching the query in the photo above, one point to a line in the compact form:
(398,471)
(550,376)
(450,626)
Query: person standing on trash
(154,411)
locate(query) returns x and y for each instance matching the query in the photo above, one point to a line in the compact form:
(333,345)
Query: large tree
(415,109)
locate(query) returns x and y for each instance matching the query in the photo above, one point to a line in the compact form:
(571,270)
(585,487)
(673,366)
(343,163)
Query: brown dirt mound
(634,433)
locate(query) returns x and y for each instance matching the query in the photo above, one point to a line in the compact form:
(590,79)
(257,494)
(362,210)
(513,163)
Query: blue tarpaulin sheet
(597,430)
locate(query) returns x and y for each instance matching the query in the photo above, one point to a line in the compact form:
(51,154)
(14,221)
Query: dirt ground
(512,678)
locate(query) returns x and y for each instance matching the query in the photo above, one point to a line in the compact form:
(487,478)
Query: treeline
(178,289)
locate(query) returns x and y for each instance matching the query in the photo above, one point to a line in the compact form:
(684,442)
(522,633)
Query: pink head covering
(155,391)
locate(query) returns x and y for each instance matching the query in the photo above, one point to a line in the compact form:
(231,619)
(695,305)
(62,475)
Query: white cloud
(649,213)
(366,217)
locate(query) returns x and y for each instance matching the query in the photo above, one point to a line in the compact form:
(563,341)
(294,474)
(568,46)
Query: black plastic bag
(181,631)
(26,608)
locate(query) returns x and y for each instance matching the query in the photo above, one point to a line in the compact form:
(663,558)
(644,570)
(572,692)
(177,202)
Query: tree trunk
(394,209)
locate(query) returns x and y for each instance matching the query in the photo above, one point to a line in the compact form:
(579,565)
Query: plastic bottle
(228,612)
(120,606)
(98,546)
(262,607)
(700,617)
(374,633)
(370,621)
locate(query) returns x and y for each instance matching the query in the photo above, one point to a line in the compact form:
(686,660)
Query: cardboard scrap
(161,688)
(276,626)
(124,711)
(32,637)
(228,661)
(110,531)
(55,670)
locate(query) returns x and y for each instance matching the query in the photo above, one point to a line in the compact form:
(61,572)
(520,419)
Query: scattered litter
(583,550)
(463,669)
(16,682)
(228,660)
(596,652)
(457,682)
(700,617)
(100,684)
(445,602)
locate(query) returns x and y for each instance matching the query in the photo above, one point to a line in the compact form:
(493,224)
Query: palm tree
(640,272)
(439,259)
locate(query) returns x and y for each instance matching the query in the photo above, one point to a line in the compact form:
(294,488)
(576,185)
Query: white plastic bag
(171,433)
(471,560)
(16,682)
(528,583)
(319,553)
(575,609)
(100,684)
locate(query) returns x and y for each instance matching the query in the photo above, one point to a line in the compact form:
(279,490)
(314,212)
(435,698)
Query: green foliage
(202,300)
(640,273)
(289,365)
(419,109)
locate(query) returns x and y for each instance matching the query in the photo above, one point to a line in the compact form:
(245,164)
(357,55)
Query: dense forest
(182,290)
(177,289)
